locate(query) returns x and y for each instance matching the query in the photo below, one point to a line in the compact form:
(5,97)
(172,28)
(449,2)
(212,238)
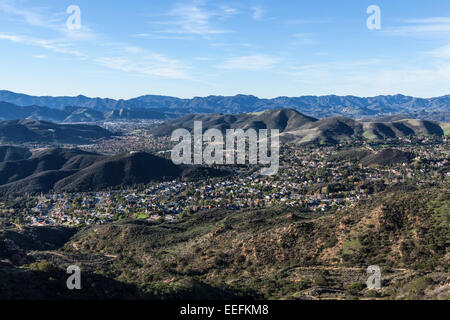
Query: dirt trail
(101,259)
(335,268)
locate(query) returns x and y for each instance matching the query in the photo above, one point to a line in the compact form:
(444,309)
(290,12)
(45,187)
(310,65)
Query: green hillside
(275,254)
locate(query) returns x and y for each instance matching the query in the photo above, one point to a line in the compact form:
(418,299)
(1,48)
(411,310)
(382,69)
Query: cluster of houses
(308,178)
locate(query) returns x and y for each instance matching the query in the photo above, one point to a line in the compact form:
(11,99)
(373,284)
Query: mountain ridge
(436,108)
(73,114)
(36,131)
(299,128)
(73,170)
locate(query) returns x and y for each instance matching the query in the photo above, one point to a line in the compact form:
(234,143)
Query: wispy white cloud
(29,16)
(133,60)
(227,11)
(83,34)
(39,56)
(163,36)
(133,49)
(432,20)
(420,29)
(373,76)
(52,45)
(442,52)
(303,38)
(193,18)
(203,58)
(328,69)
(295,22)
(148,65)
(38,17)
(12,38)
(421,26)
(251,62)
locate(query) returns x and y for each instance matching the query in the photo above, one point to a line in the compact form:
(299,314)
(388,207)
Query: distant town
(312,178)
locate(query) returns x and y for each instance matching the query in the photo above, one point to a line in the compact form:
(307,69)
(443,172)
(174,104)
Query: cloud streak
(194,19)
(252,62)
(36,18)
(373,76)
(29,16)
(442,52)
(133,59)
(421,26)
(303,38)
(148,65)
(52,45)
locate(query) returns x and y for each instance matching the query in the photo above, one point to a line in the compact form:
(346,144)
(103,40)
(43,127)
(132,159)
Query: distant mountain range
(36,131)
(72,170)
(318,106)
(293,125)
(298,128)
(9,111)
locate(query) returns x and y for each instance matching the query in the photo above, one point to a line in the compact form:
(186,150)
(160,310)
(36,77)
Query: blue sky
(197,48)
